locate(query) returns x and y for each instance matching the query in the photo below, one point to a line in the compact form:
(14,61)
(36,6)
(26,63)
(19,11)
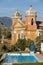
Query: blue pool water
(14,58)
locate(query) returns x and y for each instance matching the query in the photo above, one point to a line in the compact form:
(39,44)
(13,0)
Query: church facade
(24,29)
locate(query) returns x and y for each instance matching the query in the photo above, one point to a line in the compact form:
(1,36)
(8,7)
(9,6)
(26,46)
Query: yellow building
(24,29)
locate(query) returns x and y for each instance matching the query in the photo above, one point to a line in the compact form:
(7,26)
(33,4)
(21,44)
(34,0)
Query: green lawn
(41,63)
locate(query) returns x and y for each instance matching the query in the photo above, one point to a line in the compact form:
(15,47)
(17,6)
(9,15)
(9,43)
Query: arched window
(18,36)
(32,22)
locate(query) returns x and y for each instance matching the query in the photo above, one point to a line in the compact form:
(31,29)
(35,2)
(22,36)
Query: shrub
(22,44)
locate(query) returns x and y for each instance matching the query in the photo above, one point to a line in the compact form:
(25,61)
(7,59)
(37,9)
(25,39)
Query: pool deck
(40,56)
(7,63)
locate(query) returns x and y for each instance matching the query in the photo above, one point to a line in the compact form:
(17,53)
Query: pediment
(19,24)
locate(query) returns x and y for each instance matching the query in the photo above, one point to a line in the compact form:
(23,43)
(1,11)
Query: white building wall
(37,32)
(41,46)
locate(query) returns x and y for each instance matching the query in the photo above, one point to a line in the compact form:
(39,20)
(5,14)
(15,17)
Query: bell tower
(15,18)
(31,15)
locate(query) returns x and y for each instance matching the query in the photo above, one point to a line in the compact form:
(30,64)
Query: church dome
(31,12)
(17,15)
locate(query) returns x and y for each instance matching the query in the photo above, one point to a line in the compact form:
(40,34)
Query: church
(24,28)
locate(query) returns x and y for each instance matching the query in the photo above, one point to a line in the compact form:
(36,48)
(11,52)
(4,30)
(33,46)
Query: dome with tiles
(31,12)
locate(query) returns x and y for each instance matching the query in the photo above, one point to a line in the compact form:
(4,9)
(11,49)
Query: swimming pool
(14,58)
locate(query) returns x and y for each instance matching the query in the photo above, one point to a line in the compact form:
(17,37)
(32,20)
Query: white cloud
(6,9)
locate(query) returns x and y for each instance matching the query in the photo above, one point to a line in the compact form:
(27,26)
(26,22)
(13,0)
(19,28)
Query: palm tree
(9,35)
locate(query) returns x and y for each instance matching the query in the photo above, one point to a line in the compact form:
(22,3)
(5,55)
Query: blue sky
(8,7)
